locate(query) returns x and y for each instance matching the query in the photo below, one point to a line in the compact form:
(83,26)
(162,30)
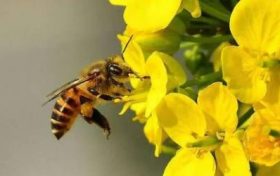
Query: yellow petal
(154,133)
(181,118)
(232,159)
(243,75)
(133,55)
(270,117)
(255,24)
(272,97)
(158,76)
(119,2)
(176,74)
(269,171)
(150,15)
(217,54)
(220,108)
(167,40)
(193,7)
(125,107)
(139,110)
(188,163)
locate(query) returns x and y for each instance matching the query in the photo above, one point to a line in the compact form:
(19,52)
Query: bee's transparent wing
(62,88)
(54,94)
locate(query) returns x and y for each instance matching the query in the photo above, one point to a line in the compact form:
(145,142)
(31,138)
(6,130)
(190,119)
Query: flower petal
(232,159)
(158,75)
(272,97)
(175,72)
(193,7)
(119,2)
(167,40)
(243,75)
(219,106)
(150,15)
(154,133)
(133,55)
(256,24)
(181,118)
(216,56)
(187,163)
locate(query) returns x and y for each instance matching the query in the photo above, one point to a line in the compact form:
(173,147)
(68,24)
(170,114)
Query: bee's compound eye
(115,69)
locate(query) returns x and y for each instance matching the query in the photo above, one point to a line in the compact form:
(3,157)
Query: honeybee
(104,80)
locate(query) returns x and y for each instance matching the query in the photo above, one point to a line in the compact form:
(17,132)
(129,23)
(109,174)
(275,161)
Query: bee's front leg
(119,88)
(106,97)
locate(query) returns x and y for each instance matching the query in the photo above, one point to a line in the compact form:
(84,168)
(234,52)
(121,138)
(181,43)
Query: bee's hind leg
(100,120)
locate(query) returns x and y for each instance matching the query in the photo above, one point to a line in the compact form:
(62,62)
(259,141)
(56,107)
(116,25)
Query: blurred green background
(44,44)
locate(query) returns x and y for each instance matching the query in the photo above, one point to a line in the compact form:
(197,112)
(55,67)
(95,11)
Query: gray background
(44,43)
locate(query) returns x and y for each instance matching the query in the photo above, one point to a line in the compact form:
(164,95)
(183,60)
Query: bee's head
(118,69)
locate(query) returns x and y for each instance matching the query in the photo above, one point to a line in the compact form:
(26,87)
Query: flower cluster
(219,113)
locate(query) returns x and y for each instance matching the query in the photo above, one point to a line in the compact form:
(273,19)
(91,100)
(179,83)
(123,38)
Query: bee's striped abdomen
(64,113)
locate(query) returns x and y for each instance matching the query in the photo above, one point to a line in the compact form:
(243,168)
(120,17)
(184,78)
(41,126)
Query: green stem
(274,133)
(254,169)
(205,40)
(207,20)
(214,10)
(271,63)
(204,79)
(168,150)
(208,141)
(245,117)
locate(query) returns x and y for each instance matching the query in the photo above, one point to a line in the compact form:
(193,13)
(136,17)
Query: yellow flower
(261,145)
(154,15)
(202,128)
(165,74)
(192,6)
(272,97)
(154,133)
(167,40)
(247,68)
(216,56)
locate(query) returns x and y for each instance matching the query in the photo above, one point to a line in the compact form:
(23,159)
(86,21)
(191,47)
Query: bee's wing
(62,88)
(54,94)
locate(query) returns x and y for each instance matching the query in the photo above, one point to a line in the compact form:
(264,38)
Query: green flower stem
(205,40)
(204,79)
(245,117)
(212,9)
(271,63)
(207,20)
(274,133)
(168,150)
(206,142)
(254,169)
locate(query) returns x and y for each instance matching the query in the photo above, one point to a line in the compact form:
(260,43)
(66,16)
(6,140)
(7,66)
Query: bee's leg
(120,87)
(101,96)
(99,119)
(87,112)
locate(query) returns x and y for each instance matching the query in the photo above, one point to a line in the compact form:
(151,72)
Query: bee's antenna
(126,45)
